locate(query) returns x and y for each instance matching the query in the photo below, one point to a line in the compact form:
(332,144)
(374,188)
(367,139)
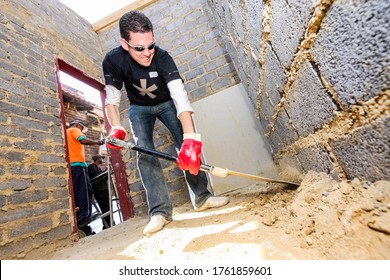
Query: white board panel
(233,138)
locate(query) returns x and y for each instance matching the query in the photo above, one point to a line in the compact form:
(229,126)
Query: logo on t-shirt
(153,74)
(143,90)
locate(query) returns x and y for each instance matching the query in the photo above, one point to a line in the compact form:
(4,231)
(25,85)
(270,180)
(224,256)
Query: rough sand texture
(322,219)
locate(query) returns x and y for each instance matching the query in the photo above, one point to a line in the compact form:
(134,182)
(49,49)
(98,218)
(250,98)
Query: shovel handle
(123,144)
(213,170)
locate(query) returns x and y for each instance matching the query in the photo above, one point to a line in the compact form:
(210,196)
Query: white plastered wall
(233,138)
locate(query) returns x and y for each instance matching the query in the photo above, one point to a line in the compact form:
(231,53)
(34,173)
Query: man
(82,188)
(155,91)
(100,187)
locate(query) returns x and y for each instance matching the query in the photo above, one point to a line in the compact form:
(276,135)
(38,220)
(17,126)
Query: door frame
(122,186)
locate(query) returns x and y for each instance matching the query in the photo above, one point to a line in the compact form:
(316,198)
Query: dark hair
(136,22)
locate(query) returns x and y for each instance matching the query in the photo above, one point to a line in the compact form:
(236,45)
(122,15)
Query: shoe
(213,202)
(156,223)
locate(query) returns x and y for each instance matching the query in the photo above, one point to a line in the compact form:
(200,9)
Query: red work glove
(117,132)
(189,154)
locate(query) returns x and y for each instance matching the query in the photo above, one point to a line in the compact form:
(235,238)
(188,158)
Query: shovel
(213,170)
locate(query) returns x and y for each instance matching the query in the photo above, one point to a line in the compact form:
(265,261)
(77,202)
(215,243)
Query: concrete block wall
(323,73)
(186,29)
(34,196)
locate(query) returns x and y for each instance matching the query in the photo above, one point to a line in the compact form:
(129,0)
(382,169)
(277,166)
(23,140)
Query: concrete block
(308,103)
(287,134)
(267,110)
(365,152)
(288,24)
(253,22)
(274,140)
(316,158)
(274,76)
(352,49)
(237,18)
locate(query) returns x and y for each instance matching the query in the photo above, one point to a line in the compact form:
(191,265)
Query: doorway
(81,97)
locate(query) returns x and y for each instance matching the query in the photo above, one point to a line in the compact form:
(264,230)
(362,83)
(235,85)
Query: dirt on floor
(322,219)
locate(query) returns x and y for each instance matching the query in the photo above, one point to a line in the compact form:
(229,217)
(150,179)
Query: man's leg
(82,190)
(142,120)
(197,184)
(103,200)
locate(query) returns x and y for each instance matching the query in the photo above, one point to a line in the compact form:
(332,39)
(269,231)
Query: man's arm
(112,110)
(89,142)
(113,115)
(186,122)
(189,154)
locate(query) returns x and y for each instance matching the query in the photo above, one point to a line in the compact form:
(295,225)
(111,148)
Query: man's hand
(189,154)
(117,132)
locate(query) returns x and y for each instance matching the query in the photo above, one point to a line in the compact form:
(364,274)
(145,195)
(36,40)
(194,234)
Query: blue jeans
(142,121)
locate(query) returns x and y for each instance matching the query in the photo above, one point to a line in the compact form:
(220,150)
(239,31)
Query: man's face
(140,47)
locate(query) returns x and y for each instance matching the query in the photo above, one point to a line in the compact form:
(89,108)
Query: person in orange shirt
(82,187)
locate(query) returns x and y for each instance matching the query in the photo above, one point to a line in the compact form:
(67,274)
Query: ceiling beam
(114,17)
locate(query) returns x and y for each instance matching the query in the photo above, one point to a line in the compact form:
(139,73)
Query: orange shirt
(75,148)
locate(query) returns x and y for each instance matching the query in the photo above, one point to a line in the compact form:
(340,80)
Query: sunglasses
(142,48)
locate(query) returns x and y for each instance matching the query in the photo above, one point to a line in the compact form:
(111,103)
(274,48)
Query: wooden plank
(114,17)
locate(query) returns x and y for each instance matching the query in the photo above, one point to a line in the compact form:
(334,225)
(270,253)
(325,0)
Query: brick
(30,226)
(13,215)
(208,78)
(27,196)
(59,170)
(214,64)
(11,249)
(57,233)
(15,184)
(47,182)
(30,145)
(3,200)
(136,186)
(50,158)
(193,74)
(51,207)
(22,170)
(12,88)
(220,83)
(29,123)
(177,185)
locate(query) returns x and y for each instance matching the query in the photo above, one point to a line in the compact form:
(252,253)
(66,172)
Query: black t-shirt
(144,85)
